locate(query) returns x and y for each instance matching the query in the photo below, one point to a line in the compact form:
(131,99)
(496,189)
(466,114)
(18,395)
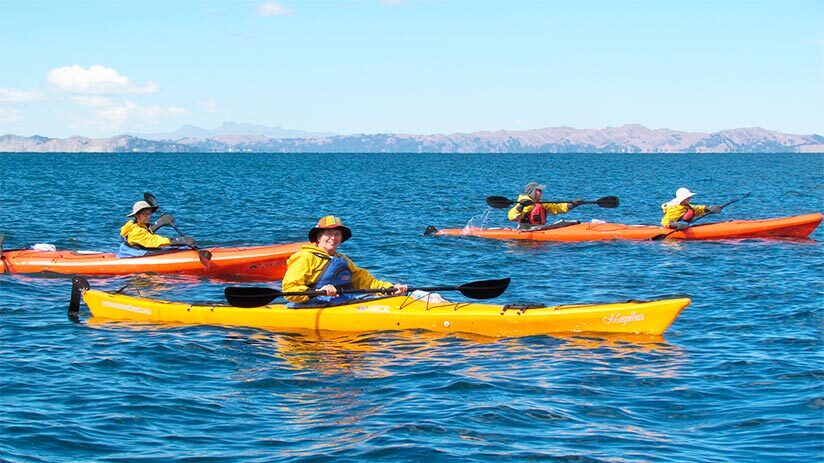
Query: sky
(102,68)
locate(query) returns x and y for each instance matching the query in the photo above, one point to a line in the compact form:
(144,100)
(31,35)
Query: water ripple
(738,377)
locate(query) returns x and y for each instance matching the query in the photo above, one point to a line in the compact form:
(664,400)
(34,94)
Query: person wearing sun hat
(319,266)
(139,237)
(678,212)
(530,212)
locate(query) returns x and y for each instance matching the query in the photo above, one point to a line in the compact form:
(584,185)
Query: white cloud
(92,100)
(208,105)
(96,80)
(10,95)
(273,9)
(9,115)
(120,113)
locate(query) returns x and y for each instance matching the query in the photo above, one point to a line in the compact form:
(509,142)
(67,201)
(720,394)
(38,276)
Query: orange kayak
(799,226)
(254,262)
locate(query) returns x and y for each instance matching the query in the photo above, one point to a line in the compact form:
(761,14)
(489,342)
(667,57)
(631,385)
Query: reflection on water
(736,378)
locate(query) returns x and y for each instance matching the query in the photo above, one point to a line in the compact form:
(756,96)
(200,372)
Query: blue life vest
(129,251)
(335,273)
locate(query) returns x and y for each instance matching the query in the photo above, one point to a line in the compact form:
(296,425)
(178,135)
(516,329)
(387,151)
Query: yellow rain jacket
(140,235)
(515,215)
(674,212)
(306,266)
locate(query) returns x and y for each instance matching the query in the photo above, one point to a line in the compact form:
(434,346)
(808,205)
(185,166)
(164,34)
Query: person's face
(144,216)
(686,201)
(538,194)
(328,240)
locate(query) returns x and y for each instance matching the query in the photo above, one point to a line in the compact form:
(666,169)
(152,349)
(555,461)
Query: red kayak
(799,226)
(254,262)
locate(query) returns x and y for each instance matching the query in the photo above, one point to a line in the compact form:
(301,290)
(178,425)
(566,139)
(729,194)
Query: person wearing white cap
(678,212)
(319,266)
(139,237)
(530,212)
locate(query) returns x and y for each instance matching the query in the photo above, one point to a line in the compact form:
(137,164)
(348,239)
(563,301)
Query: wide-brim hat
(681,194)
(139,206)
(327,223)
(530,188)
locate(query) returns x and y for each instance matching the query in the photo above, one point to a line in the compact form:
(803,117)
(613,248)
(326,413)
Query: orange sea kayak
(254,262)
(788,227)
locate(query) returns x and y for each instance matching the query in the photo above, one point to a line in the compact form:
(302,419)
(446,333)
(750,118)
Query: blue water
(737,378)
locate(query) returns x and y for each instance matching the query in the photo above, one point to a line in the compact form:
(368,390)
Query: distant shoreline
(626,139)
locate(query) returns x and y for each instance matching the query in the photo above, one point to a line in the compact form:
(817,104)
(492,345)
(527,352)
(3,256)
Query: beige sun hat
(139,206)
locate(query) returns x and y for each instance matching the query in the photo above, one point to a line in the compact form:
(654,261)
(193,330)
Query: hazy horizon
(100,69)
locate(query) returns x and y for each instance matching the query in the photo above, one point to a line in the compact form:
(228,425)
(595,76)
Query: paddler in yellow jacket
(529,211)
(319,266)
(679,213)
(139,237)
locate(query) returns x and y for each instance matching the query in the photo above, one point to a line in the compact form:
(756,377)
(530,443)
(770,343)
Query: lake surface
(737,378)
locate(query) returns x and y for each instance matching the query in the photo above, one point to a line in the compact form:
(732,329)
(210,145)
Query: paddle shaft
(664,236)
(500,202)
(723,206)
(204,256)
(388,290)
(150,198)
(245,296)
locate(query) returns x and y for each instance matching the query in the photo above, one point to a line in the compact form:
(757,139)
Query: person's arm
(521,208)
(672,214)
(700,210)
(298,274)
(556,208)
(362,279)
(143,237)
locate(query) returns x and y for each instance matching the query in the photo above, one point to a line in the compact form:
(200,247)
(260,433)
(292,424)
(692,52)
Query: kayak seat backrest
(521,308)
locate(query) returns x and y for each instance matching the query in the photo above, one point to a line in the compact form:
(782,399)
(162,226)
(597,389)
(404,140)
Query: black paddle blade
(608,202)
(662,236)
(150,198)
(487,289)
(205,257)
(250,296)
(499,202)
(79,284)
(429,230)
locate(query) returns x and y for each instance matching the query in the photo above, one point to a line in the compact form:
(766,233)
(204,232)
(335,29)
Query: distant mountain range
(231,137)
(230,128)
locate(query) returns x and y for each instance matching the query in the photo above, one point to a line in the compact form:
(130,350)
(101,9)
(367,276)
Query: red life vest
(537,216)
(689,215)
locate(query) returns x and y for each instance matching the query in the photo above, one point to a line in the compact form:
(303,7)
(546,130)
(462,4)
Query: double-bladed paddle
(502,202)
(251,296)
(204,256)
(665,235)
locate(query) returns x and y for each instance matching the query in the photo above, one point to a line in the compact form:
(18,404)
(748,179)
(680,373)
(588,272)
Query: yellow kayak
(394,313)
